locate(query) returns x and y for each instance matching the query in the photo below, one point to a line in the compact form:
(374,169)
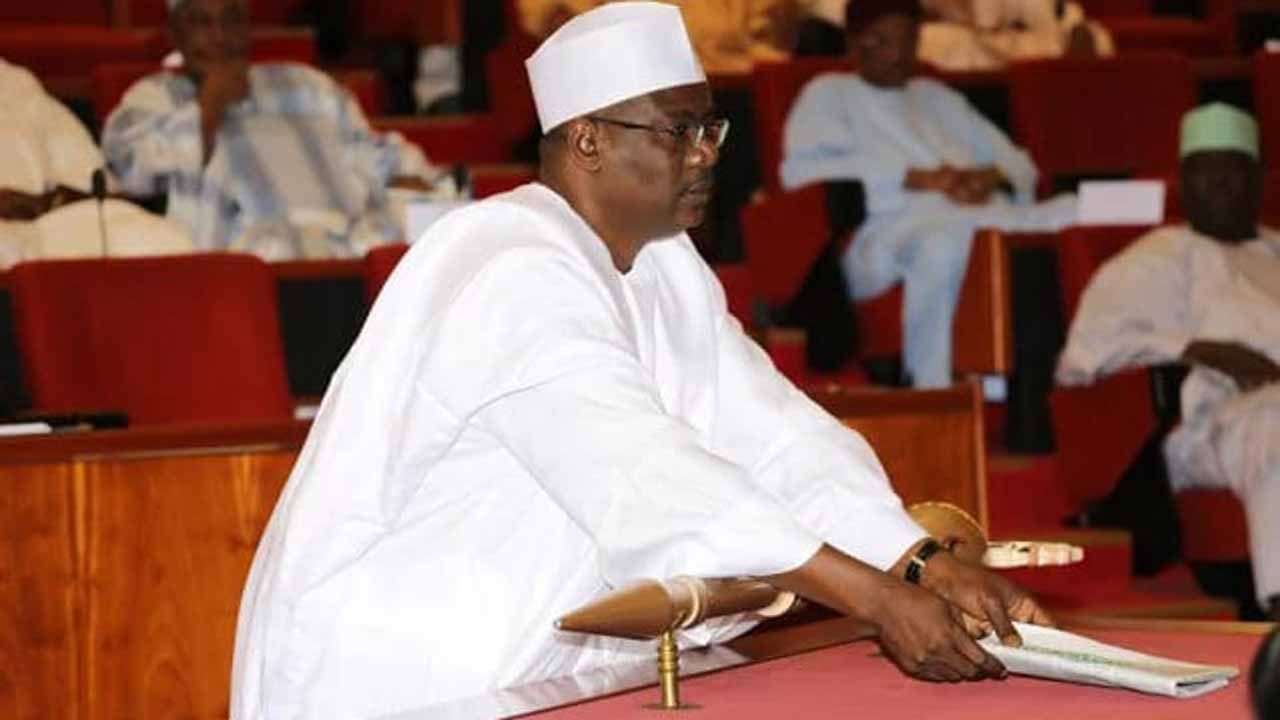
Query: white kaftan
(843,128)
(296,171)
(1144,307)
(994,33)
(43,146)
(518,429)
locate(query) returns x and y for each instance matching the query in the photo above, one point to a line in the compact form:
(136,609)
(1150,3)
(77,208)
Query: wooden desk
(123,554)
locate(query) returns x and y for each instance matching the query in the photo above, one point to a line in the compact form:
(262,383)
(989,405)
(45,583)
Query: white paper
(24,428)
(1121,202)
(1060,655)
(421,214)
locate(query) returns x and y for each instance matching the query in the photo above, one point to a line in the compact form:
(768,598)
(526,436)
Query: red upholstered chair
(1118,116)
(452,139)
(1135,28)
(736,279)
(172,339)
(62,56)
(510,98)
(489,180)
(378,264)
(56,12)
(774,88)
(1266,103)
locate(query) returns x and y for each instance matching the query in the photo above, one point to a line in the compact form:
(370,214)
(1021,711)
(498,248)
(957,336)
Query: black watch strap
(915,565)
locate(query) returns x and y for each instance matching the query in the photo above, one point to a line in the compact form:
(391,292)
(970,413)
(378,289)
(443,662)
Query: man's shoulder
(832,81)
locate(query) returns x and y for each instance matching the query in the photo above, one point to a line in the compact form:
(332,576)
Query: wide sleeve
(535,355)
(1133,312)
(153,137)
(991,146)
(72,154)
(826,474)
(820,144)
(377,157)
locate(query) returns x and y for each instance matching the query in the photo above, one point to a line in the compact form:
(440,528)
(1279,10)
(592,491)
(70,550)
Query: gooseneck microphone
(99,185)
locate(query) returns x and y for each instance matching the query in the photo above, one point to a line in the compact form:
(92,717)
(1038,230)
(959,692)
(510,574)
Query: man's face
(659,183)
(1222,194)
(211,32)
(886,50)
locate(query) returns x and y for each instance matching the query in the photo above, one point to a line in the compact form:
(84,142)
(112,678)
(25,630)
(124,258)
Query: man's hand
(976,186)
(917,628)
(924,637)
(941,179)
(221,86)
(1249,368)
(17,205)
(992,602)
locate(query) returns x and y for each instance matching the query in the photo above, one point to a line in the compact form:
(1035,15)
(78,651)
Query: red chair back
(1266,103)
(451,139)
(509,95)
(774,88)
(266,12)
(56,12)
(1081,251)
(1122,115)
(172,339)
(378,264)
(781,235)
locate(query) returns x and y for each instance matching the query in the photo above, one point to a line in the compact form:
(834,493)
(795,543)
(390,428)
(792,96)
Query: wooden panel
(170,545)
(982,337)
(930,441)
(38,658)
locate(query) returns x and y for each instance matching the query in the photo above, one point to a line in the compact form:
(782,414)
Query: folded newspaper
(1059,655)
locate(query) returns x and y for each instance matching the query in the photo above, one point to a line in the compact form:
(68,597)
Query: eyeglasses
(692,134)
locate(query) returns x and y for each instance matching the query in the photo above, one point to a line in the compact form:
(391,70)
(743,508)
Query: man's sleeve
(992,147)
(378,157)
(825,473)
(535,356)
(1133,312)
(150,139)
(819,146)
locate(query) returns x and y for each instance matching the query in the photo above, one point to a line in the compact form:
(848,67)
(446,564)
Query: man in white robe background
(275,159)
(1206,294)
(976,35)
(933,168)
(550,400)
(47,160)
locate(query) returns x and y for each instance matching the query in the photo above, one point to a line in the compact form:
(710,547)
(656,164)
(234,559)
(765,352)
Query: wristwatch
(915,565)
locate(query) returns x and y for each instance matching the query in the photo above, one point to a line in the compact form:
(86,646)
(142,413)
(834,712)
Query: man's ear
(583,143)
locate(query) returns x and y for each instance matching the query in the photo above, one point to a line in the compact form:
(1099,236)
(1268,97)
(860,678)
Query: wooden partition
(929,441)
(123,553)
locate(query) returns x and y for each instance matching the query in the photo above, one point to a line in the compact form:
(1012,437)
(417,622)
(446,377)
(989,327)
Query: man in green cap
(1206,294)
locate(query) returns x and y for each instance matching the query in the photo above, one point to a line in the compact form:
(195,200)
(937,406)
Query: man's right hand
(17,205)
(924,636)
(942,179)
(221,86)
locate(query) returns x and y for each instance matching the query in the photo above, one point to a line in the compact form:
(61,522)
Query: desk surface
(852,680)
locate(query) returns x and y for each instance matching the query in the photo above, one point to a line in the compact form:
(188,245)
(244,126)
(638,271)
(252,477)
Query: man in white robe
(976,35)
(934,170)
(47,160)
(550,400)
(276,159)
(1206,294)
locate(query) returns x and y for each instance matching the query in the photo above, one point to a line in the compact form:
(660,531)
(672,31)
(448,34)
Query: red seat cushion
(378,264)
(190,338)
(1122,115)
(1214,526)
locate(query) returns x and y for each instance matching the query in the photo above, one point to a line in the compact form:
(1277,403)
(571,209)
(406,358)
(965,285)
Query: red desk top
(853,681)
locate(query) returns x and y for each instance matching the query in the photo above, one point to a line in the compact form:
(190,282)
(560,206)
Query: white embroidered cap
(613,53)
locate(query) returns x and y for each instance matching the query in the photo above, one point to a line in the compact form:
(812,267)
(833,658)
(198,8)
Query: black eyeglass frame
(679,131)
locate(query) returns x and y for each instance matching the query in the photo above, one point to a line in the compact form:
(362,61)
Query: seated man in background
(969,35)
(47,161)
(933,168)
(1206,294)
(275,159)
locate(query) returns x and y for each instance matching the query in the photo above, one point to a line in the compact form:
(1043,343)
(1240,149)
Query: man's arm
(1250,369)
(154,135)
